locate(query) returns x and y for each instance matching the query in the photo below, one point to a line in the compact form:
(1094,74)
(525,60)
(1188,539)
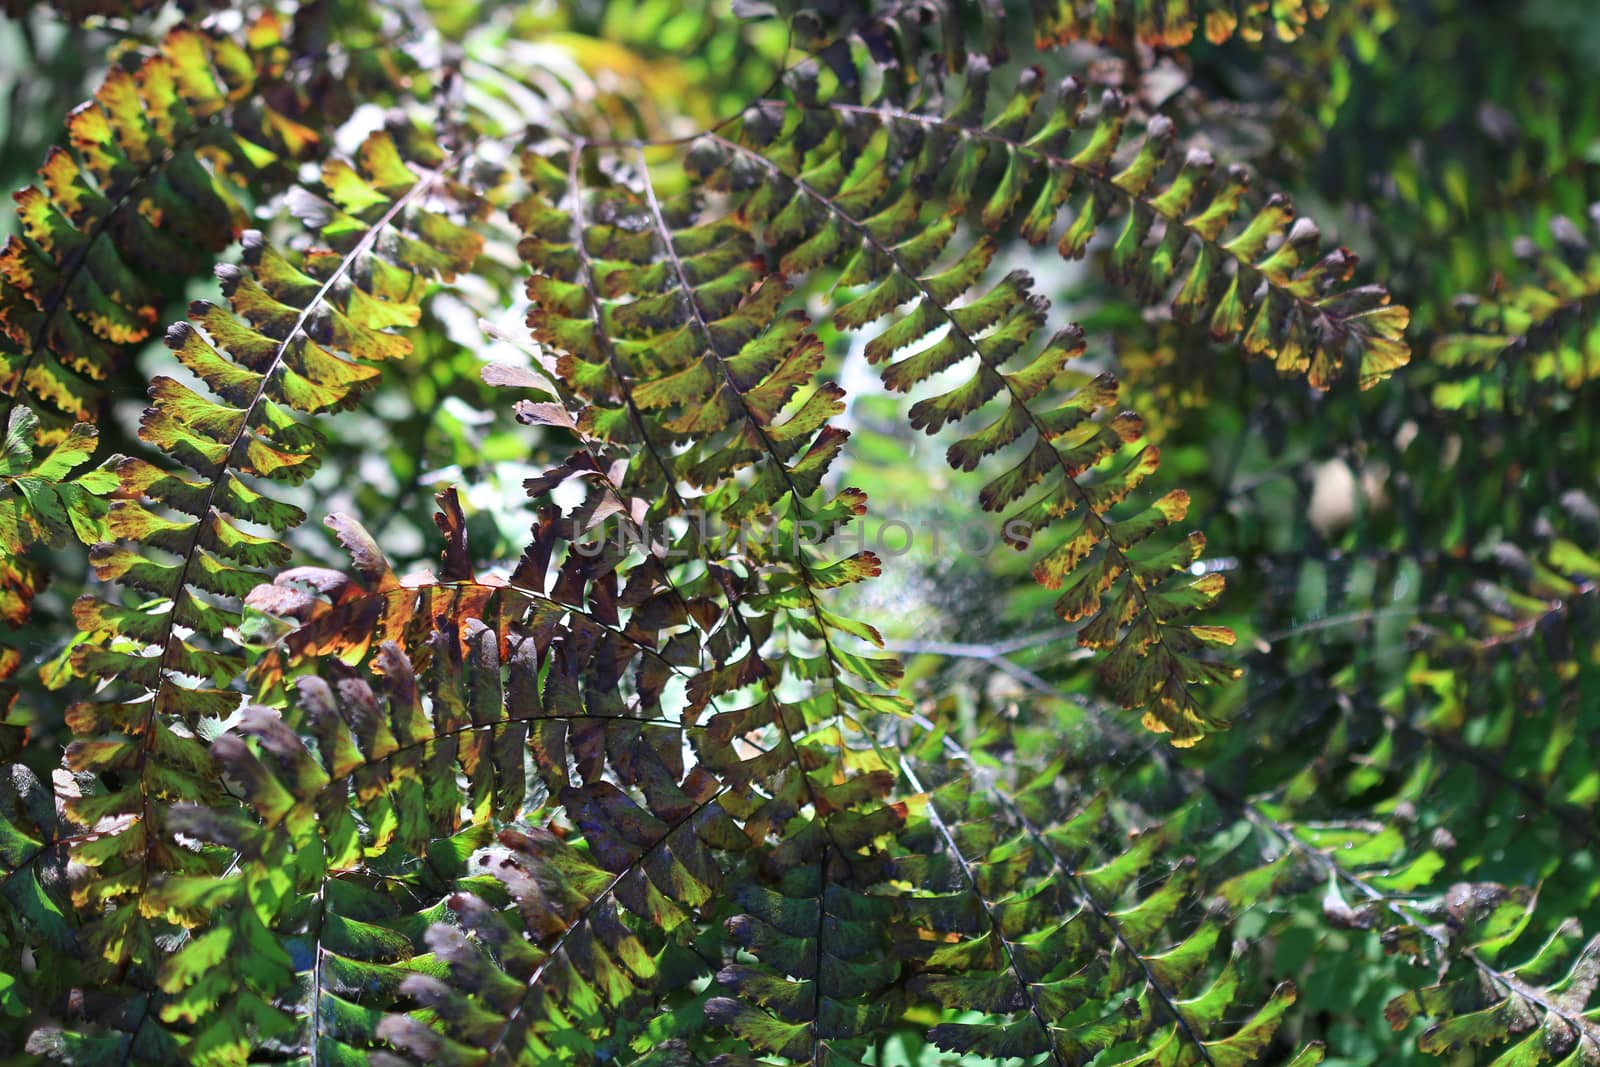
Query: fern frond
(1152,664)
(632,358)
(143,199)
(825,980)
(843,191)
(293,344)
(358,817)
(144,194)
(1257,277)
(1479,725)
(585,743)
(689,343)
(1532,345)
(642,852)
(1028,918)
(362,781)
(1485,719)
(45,495)
(750,387)
(1378,873)
(592,651)
(1541,1009)
(554,976)
(837,183)
(636,787)
(1171,23)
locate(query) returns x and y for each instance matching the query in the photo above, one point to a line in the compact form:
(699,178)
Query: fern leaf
(1534,343)
(636,788)
(1019,923)
(1152,663)
(45,496)
(1171,23)
(360,781)
(642,852)
(143,193)
(683,335)
(291,344)
(1258,278)
(1461,738)
(852,177)
(1540,1007)
(585,743)
(699,351)
(358,820)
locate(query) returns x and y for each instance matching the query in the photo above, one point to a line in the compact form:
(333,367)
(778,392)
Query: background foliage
(343,344)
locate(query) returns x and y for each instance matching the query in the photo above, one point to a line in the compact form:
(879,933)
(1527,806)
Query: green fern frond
(145,197)
(555,975)
(1533,344)
(686,340)
(293,344)
(1540,1009)
(858,221)
(1257,277)
(1043,921)
(1485,718)
(1481,724)
(358,820)
(841,184)
(684,326)
(582,751)
(45,495)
